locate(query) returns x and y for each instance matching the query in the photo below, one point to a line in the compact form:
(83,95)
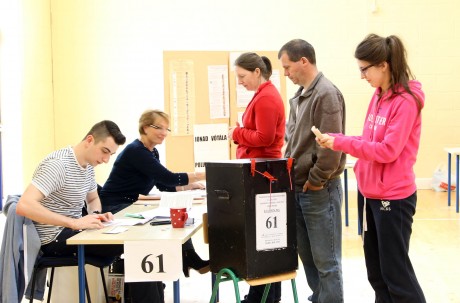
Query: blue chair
(53,262)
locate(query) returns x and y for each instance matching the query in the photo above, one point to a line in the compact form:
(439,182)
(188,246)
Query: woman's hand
(231,130)
(326,141)
(196,185)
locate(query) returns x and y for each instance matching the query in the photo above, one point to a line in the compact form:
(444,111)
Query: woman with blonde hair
(135,172)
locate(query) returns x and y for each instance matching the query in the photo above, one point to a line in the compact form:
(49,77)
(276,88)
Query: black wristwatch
(96,212)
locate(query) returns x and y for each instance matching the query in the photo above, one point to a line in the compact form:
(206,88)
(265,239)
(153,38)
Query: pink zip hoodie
(387,149)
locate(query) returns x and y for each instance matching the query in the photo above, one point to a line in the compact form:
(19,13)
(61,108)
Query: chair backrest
(20,247)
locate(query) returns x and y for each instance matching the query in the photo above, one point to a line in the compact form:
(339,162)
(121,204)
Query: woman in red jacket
(262,133)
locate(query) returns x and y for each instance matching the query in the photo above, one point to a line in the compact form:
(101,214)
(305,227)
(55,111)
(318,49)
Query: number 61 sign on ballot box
(271,221)
(159,260)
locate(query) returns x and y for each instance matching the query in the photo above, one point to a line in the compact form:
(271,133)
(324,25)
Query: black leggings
(386,249)
(256,293)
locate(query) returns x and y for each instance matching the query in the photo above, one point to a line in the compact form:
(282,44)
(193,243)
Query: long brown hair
(375,50)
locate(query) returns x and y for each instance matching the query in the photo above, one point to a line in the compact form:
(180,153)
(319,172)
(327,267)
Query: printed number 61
(147,266)
(271,222)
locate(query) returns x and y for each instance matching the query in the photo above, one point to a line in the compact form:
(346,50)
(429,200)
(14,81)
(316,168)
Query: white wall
(107,55)
(11,80)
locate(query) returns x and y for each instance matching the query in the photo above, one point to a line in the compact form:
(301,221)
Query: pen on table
(137,216)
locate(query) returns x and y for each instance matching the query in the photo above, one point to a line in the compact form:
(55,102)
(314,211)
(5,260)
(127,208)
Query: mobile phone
(317,133)
(162,222)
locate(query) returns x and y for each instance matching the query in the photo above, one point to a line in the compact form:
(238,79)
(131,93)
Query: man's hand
(90,222)
(308,185)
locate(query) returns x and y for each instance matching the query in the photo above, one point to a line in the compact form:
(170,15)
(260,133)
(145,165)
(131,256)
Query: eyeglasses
(160,128)
(364,69)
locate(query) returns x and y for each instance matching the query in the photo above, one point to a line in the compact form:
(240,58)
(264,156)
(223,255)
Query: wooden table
(144,232)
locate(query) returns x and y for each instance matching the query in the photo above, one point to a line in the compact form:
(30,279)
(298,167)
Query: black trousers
(256,292)
(386,249)
(140,292)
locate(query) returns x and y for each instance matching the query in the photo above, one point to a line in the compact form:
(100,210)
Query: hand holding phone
(317,133)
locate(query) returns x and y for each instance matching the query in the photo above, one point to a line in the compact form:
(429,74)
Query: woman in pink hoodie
(386,152)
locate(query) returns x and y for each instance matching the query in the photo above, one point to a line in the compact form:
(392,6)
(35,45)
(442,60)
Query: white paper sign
(210,144)
(271,221)
(159,260)
(218,91)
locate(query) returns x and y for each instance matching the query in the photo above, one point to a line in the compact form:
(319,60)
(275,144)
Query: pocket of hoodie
(370,177)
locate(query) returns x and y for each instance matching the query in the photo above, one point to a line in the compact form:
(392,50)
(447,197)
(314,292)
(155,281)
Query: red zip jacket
(262,135)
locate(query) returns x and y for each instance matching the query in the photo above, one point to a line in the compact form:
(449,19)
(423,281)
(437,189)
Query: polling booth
(251,216)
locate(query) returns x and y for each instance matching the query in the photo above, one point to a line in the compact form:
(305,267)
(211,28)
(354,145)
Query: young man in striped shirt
(61,185)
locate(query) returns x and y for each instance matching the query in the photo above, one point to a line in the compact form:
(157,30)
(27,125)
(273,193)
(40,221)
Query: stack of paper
(181,199)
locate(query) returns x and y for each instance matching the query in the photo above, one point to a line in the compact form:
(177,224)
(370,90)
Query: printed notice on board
(218,91)
(275,78)
(210,144)
(182,97)
(271,221)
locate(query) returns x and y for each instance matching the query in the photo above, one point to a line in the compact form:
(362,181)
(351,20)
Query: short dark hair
(105,129)
(298,48)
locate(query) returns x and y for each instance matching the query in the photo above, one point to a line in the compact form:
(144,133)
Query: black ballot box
(251,216)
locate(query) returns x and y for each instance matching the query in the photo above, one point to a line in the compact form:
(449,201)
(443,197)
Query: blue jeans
(319,240)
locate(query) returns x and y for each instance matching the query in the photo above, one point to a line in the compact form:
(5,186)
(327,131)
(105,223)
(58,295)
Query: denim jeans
(319,240)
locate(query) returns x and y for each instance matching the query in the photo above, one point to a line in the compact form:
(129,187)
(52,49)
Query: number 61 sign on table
(158,260)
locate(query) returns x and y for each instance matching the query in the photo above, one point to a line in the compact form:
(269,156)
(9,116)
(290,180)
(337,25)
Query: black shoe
(190,259)
(247,301)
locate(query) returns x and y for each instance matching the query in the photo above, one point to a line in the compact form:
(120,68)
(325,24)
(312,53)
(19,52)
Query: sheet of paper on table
(198,196)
